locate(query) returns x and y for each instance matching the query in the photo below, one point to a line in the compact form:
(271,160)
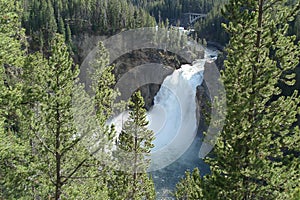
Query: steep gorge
(86,43)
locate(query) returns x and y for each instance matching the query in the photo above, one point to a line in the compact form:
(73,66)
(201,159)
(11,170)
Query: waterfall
(173,119)
(173,115)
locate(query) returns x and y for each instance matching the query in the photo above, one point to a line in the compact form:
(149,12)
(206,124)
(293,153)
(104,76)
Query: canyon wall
(86,43)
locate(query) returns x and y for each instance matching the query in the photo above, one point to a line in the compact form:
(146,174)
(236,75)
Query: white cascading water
(174,105)
(173,119)
(173,115)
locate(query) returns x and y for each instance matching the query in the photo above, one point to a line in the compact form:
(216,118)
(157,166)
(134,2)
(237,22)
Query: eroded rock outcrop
(86,43)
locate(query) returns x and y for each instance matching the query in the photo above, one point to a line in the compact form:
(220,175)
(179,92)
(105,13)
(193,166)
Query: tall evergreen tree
(255,156)
(66,169)
(50,21)
(14,170)
(190,187)
(296,29)
(103,81)
(134,143)
(61,27)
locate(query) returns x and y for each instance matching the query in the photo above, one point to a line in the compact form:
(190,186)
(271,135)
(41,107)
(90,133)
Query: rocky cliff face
(171,62)
(203,106)
(131,61)
(84,44)
(125,63)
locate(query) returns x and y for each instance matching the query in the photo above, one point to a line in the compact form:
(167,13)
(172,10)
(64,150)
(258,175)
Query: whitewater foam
(173,115)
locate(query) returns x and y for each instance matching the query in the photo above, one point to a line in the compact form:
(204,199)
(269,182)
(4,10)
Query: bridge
(193,17)
(189,19)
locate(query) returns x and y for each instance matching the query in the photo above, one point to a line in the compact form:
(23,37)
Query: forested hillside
(210,28)
(173,9)
(42,19)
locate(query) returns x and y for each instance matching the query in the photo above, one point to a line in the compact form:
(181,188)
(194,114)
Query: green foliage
(67,169)
(134,143)
(255,156)
(41,150)
(42,154)
(47,17)
(210,28)
(14,166)
(190,187)
(173,9)
(103,81)
(296,194)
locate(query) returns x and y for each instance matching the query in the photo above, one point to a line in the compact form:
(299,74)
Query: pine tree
(297,27)
(68,35)
(255,156)
(134,143)
(13,146)
(61,27)
(104,98)
(190,187)
(50,21)
(103,81)
(66,168)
